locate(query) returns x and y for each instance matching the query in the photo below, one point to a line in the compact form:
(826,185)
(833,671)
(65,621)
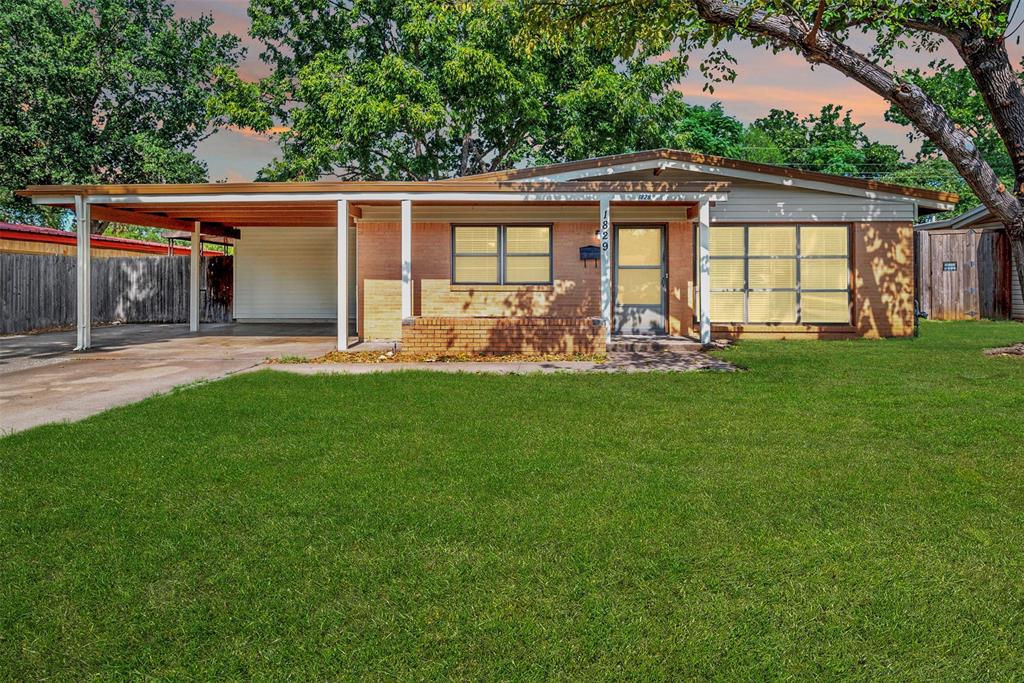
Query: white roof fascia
(821,186)
(434,196)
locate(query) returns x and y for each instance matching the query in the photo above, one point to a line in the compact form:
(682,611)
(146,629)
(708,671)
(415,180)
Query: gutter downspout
(917,279)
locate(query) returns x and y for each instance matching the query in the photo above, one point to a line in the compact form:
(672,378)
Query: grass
(848,510)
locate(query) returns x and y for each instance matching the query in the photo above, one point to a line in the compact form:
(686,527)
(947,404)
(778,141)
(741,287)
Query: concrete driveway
(42,380)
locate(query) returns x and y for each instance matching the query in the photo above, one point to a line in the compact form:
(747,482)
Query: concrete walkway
(42,380)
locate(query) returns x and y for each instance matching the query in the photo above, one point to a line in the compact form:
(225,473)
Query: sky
(765,81)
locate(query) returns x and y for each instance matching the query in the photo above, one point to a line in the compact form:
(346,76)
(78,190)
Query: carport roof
(222,208)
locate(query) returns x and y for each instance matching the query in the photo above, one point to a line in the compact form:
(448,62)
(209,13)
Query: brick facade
(575,293)
(502,335)
(558,317)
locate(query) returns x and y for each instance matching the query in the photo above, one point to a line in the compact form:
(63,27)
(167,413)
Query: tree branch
(812,37)
(929,118)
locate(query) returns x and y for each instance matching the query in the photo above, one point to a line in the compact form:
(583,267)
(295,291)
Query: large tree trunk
(999,85)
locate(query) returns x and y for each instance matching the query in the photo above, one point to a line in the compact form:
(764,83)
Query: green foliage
(432,89)
(625,23)
(829,143)
(935,173)
(102,91)
(877,28)
(709,130)
(135,232)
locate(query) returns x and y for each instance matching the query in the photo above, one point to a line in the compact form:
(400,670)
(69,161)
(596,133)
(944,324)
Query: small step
(646,344)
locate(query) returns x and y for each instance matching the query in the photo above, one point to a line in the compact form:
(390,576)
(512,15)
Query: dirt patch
(399,357)
(1015,350)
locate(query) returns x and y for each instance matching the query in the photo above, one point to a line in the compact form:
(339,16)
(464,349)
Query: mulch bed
(1015,350)
(399,357)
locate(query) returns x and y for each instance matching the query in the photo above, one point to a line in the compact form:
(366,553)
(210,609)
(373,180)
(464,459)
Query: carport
(236,209)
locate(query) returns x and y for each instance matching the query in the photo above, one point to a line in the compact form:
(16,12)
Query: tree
(432,89)
(709,130)
(935,173)
(829,143)
(829,33)
(102,91)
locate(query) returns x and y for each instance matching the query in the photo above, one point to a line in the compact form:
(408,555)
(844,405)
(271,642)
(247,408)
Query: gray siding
(750,200)
(1018,300)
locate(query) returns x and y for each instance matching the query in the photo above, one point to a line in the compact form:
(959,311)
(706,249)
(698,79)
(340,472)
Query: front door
(639,279)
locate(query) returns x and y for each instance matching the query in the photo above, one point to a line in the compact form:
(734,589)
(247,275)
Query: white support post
(343,221)
(406,258)
(195,279)
(83,298)
(605,234)
(704,259)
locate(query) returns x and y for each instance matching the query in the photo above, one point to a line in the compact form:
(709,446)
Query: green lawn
(842,510)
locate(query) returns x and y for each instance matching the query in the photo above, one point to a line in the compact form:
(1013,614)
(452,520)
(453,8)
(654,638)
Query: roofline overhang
(975,215)
(139,201)
(63,194)
(710,164)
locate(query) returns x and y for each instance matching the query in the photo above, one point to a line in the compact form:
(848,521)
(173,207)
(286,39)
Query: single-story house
(561,257)
(16,238)
(965,269)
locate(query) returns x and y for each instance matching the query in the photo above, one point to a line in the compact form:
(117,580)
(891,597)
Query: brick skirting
(502,335)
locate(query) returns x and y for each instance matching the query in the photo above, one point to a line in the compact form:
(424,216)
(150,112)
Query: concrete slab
(42,380)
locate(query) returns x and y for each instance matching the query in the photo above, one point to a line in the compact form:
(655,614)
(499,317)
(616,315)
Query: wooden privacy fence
(965,274)
(38,291)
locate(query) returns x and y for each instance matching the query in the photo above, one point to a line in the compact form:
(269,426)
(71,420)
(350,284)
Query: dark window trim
(665,275)
(502,253)
(798,258)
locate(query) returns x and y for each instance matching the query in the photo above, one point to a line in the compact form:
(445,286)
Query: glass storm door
(639,280)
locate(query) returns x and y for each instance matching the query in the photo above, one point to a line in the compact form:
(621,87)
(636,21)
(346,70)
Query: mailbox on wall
(590,253)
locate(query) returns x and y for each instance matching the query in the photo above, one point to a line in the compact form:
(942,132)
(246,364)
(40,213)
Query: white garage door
(286,274)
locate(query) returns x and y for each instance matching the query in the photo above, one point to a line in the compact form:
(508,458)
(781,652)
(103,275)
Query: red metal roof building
(32,239)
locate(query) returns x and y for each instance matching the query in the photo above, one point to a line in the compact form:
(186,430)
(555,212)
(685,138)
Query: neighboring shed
(32,239)
(965,269)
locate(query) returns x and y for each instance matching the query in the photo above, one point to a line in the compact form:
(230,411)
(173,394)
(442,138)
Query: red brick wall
(883,279)
(502,335)
(882,261)
(680,279)
(576,291)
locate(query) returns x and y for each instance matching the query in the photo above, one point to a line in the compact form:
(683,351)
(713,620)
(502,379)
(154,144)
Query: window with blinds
(501,254)
(780,274)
